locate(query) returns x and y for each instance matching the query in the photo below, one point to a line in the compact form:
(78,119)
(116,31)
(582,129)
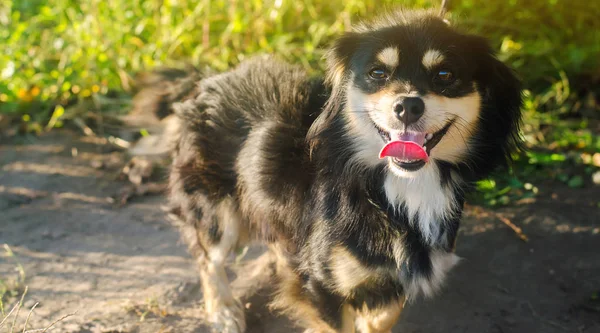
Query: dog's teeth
(428,136)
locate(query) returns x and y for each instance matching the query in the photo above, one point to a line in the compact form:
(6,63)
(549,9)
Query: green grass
(151,307)
(60,49)
(10,319)
(13,284)
(62,57)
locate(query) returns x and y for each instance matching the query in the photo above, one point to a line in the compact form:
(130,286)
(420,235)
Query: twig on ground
(56,321)
(119,142)
(18,307)
(29,316)
(128,192)
(542,319)
(518,231)
(8,315)
(485,212)
(20,304)
(84,128)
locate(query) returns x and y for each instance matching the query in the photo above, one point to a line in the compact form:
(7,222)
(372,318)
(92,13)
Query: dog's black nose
(409,110)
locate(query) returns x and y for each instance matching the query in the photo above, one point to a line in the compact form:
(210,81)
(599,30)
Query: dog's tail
(158,91)
(152,107)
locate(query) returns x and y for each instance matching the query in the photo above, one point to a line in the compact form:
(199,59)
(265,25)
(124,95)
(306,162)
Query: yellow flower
(35,91)
(24,95)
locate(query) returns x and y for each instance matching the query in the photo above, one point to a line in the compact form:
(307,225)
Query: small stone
(97,164)
(563,287)
(30,303)
(596,159)
(596,178)
(510,320)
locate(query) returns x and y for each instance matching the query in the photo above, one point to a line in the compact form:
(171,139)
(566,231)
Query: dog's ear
(501,97)
(338,60)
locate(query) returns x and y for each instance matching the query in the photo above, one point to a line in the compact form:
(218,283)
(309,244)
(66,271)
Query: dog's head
(413,90)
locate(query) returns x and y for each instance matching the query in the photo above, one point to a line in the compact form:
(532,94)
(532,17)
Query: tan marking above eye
(432,58)
(389,57)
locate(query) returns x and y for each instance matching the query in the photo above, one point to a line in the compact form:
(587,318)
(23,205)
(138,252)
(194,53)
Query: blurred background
(85,242)
(64,59)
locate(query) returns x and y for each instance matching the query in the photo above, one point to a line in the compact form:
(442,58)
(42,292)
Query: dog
(356,179)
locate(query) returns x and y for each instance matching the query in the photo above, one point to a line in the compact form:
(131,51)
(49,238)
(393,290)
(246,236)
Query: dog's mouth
(410,150)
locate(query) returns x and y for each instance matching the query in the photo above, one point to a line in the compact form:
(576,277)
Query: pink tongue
(408,147)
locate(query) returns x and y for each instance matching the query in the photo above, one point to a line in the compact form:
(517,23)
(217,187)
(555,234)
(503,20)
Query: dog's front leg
(379,320)
(309,302)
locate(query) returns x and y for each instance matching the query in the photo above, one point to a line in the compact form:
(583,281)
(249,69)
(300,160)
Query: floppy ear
(338,58)
(501,101)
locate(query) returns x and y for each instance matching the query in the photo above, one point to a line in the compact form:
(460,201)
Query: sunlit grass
(64,59)
(56,50)
(12,284)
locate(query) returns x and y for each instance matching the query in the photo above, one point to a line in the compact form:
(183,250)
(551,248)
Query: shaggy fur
(266,152)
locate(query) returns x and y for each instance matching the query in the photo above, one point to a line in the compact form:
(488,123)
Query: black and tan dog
(357,180)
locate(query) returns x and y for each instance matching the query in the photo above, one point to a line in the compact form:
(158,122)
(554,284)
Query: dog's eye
(378,74)
(444,77)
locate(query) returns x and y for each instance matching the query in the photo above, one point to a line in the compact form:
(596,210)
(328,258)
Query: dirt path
(114,265)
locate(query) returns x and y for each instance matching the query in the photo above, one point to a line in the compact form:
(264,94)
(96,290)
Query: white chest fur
(428,203)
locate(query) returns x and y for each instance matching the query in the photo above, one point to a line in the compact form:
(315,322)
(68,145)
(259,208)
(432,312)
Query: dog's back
(237,126)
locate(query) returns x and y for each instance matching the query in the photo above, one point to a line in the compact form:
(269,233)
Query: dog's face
(415,91)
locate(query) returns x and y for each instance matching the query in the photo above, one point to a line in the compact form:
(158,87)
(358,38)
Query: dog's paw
(228,319)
